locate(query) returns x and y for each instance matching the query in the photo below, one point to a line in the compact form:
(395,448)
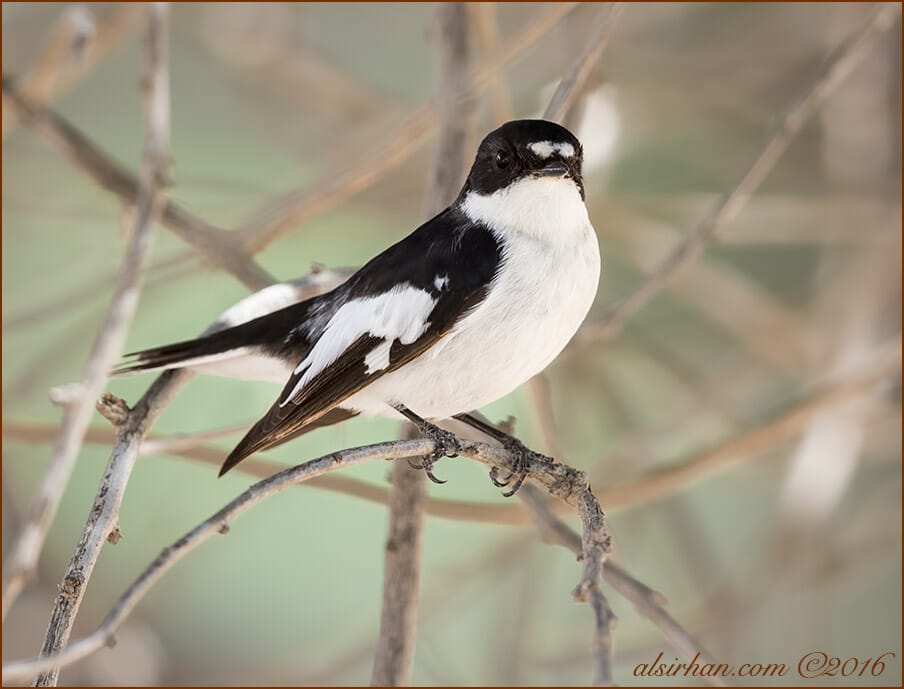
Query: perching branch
(79,406)
(838,67)
(108,347)
(653,486)
(559,480)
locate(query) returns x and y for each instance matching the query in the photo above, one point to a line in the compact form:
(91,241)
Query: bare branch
(780,428)
(838,67)
(216,244)
(298,207)
(401,573)
(485,22)
(78,44)
(25,552)
(455,101)
(541,401)
(108,347)
(394,652)
(646,601)
(651,487)
(558,480)
(570,86)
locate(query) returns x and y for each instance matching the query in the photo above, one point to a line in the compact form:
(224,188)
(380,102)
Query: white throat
(547,209)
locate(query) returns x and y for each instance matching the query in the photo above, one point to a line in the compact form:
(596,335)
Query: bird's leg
(446,443)
(521,454)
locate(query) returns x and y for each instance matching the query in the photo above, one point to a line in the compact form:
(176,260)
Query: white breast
(539,298)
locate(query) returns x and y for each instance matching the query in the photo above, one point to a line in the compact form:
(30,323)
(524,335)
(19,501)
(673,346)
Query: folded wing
(396,308)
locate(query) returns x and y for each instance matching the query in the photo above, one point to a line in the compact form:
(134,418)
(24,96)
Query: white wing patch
(545,149)
(400,314)
(378,358)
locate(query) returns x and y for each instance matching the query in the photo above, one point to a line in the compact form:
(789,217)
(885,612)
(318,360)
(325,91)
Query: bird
(459,313)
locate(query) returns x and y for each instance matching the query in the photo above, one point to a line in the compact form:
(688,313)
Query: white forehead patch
(545,149)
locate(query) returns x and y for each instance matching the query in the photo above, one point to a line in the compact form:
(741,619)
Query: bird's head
(525,150)
(527,178)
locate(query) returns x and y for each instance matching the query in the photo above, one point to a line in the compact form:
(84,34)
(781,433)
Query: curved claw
(494,477)
(415,465)
(429,472)
(514,489)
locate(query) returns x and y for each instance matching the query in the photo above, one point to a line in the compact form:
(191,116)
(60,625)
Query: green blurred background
(785,552)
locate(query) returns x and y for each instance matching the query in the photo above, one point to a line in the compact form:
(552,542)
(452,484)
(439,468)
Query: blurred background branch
(394,654)
(102,520)
(298,124)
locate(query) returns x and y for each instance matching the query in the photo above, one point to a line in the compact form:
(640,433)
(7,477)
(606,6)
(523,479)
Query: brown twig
(838,67)
(570,86)
(764,436)
(654,486)
(541,400)
(485,21)
(298,207)
(101,522)
(558,480)
(744,309)
(78,44)
(215,244)
(25,552)
(394,652)
(588,590)
(646,601)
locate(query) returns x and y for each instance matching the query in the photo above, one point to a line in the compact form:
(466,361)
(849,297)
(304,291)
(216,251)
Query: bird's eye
(502,159)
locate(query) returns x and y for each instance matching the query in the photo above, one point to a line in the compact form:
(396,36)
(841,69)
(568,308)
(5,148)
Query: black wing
(449,258)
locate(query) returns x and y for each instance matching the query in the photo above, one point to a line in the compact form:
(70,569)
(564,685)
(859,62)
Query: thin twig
(126,451)
(541,400)
(570,86)
(295,208)
(168,269)
(485,21)
(588,590)
(783,426)
(25,552)
(216,244)
(838,67)
(652,487)
(78,44)
(646,601)
(151,192)
(559,480)
(394,652)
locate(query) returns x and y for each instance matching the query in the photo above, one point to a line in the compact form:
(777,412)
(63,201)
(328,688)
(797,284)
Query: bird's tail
(189,353)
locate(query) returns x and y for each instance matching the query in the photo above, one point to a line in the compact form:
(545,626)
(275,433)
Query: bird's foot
(446,443)
(521,459)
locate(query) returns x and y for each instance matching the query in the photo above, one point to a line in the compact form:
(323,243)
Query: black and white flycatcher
(459,313)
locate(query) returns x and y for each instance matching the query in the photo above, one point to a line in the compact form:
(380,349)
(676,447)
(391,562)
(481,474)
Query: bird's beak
(554,168)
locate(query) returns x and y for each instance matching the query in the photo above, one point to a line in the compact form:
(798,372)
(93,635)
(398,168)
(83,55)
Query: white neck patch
(546,208)
(545,149)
